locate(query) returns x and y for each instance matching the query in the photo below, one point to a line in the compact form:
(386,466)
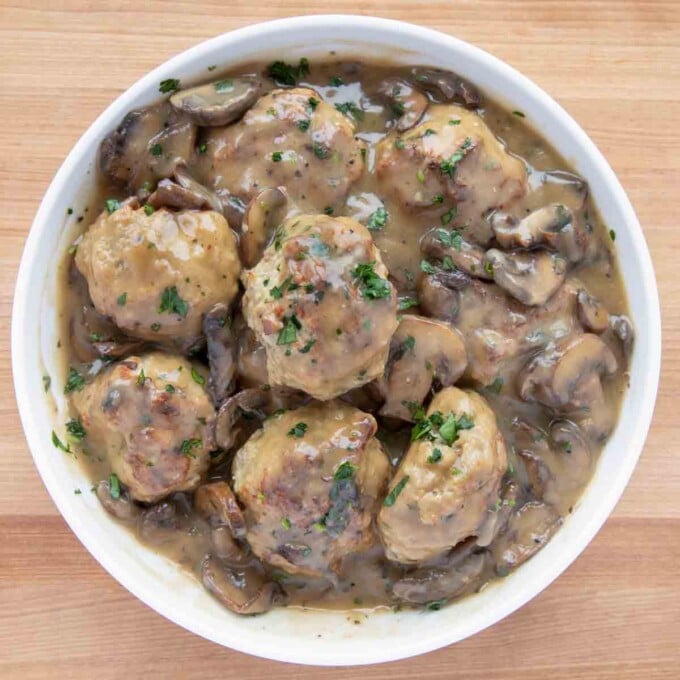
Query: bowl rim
(331,655)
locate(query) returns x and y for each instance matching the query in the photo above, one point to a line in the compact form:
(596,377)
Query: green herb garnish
(74,381)
(372,286)
(168,85)
(378,219)
(394,494)
(172,303)
(298,431)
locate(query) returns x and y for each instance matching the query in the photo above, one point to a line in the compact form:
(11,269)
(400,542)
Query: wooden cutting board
(615,66)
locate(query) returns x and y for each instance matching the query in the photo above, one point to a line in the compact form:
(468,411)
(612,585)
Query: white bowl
(324,637)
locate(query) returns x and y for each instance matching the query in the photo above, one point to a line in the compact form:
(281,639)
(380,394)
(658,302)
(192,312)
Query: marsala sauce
(366,576)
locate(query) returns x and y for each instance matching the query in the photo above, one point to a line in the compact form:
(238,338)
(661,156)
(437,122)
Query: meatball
(289,138)
(448,482)
(320,303)
(451,161)
(157,275)
(311,481)
(154,422)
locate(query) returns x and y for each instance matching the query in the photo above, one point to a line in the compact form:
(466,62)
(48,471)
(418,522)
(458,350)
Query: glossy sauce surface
(360,165)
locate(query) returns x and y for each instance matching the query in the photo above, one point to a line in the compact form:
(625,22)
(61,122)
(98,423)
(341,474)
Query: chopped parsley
(74,381)
(378,219)
(426,267)
(288,334)
(308,345)
(172,303)
(156,150)
(288,74)
(519,114)
(169,388)
(435,456)
(202,147)
(226,85)
(451,238)
(409,344)
(437,198)
(394,494)
(75,429)
(436,427)
(407,303)
(303,124)
(448,167)
(47,381)
(567,447)
(335,81)
(168,85)
(298,431)
(121,299)
(321,151)
(188,445)
(351,109)
(197,377)
(435,605)
(114,486)
(148,209)
(59,444)
(612,235)
(285,523)
(450,428)
(155,327)
(448,216)
(278,291)
(112,204)
(277,156)
(488,268)
(345,470)
(399,144)
(496,386)
(328,210)
(141,378)
(313,103)
(372,286)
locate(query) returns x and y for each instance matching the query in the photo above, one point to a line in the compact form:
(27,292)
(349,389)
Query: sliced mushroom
(217,503)
(263,214)
(146,146)
(121,507)
(498,516)
(218,103)
(446,86)
(622,328)
(422,352)
(571,189)
(251,367)
(556,377)
(224,544)
(405,102)
(169,194)
(566,377)
(553,227)
(430,586)
(532,278)
(241,588)
(439,293)
(450,246)
(240,415)
(221,352)
(210,199)
(529,529)
(161,522)
(591,312)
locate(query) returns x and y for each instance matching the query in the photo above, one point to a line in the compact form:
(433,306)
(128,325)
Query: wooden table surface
(615,66)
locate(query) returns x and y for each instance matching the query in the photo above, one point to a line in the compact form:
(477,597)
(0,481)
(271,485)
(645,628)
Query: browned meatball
(320,303)
(157,275)
(310,481)
(448,481)
(153,420)
(451,160)
(289,138)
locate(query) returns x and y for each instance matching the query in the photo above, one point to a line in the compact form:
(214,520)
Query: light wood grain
(616,67)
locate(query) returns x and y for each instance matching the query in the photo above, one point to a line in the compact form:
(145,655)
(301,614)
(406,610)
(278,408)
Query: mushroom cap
(554,227)
(263,214)
(422,352)
(218,103)
(446,86)
(530,277)
(563,376)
